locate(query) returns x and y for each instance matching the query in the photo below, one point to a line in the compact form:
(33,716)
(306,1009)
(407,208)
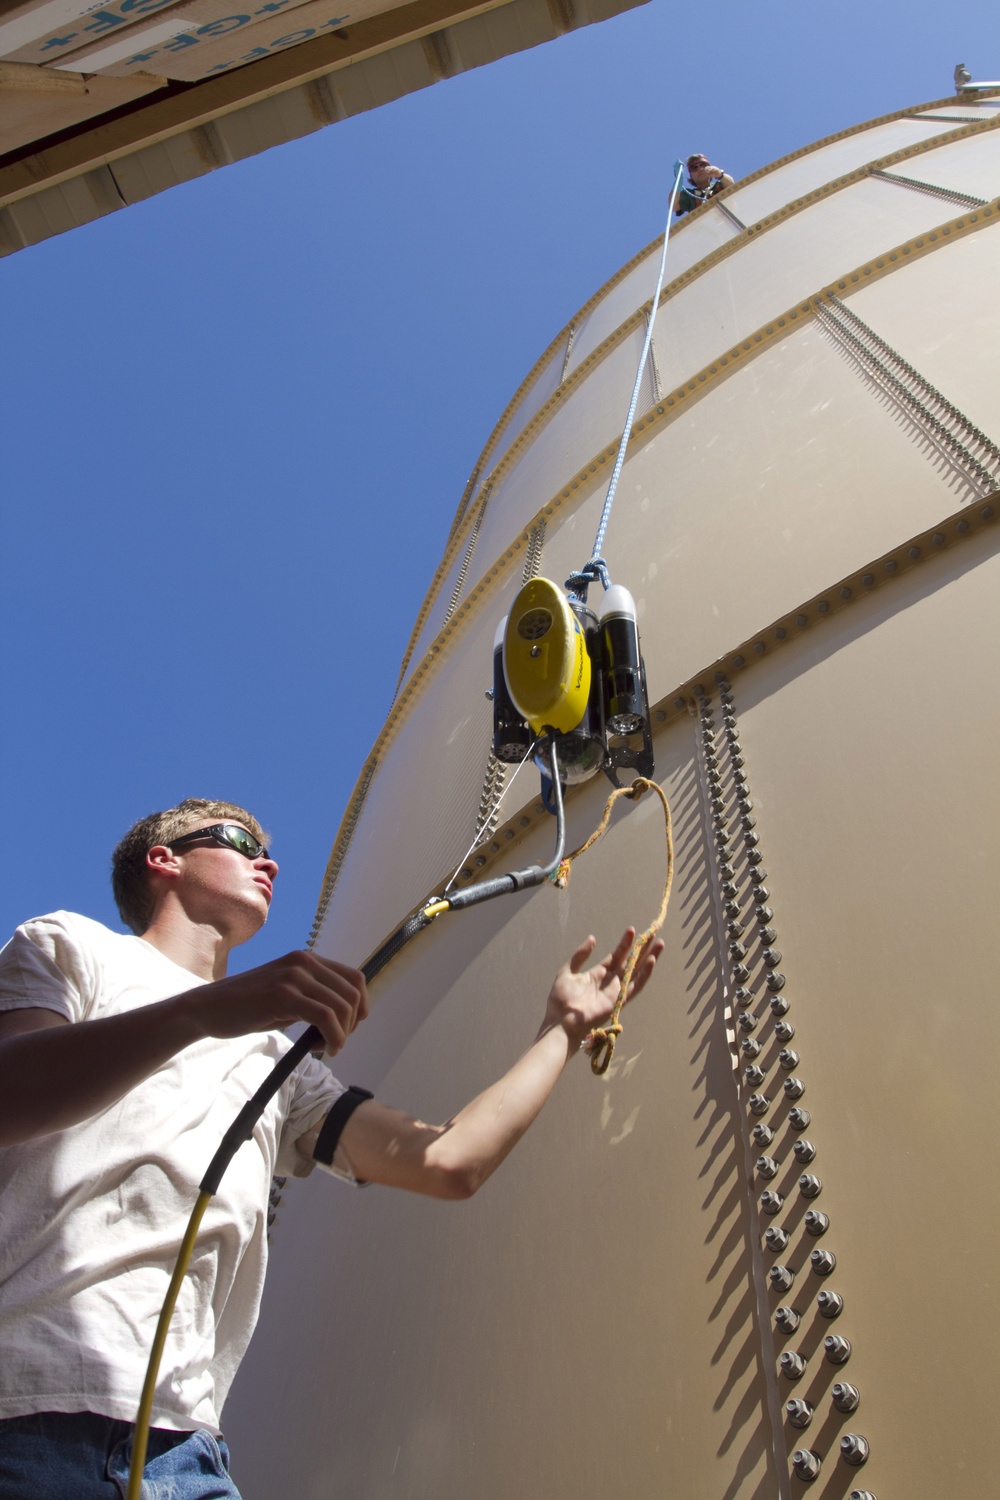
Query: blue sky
(238,418)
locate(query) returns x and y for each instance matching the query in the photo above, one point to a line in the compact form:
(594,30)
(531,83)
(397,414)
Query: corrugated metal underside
(120,158)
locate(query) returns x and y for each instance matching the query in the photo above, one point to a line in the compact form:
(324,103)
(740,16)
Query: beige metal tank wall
(789,263)
(599,1317)
(869,748)
(804,174)
(691,241)
(955,339)
(588,1324)
(547,380)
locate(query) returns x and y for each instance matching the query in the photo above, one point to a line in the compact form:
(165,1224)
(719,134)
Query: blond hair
(129,876)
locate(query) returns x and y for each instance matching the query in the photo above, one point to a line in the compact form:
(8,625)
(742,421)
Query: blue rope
(596,560)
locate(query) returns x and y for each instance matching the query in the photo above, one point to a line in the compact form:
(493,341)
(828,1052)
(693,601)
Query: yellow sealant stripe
(596,356)
(657,416)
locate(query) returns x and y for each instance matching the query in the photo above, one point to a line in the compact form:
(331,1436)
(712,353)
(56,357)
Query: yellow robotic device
(545,659)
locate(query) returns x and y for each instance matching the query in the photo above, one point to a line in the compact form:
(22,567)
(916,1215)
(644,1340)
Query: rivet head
(823,1262)
(806,1465)
(831,1305)
(816,1223)
(854,1449)
(793,1366)
(846,1397)
(799,1413)
(787,1319)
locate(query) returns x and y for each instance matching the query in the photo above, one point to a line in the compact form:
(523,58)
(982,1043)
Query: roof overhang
(75,145)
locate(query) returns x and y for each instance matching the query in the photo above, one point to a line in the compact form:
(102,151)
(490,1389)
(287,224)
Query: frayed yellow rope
(600,1044)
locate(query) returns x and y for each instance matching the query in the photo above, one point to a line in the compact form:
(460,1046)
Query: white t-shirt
(91,1218)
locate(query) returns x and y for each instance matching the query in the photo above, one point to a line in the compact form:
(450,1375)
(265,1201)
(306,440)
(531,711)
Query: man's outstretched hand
(582,998)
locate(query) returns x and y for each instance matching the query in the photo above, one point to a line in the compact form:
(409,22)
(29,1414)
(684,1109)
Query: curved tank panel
(777,1200)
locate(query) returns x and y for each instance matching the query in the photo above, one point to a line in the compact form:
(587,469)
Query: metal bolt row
(731,828)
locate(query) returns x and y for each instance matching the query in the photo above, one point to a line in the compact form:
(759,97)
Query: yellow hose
(143,1415)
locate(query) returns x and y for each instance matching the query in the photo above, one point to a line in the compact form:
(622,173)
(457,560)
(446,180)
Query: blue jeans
(81,1456)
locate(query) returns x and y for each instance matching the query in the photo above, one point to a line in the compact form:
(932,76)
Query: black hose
(311,1040)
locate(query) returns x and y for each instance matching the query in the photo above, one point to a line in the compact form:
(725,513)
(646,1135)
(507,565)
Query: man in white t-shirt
(123,1060)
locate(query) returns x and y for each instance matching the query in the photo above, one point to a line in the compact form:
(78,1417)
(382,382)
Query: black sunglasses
(229,835)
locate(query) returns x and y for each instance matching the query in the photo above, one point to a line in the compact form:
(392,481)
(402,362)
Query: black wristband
(326,1141)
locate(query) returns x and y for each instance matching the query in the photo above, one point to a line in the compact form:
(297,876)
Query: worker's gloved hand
(581,998)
